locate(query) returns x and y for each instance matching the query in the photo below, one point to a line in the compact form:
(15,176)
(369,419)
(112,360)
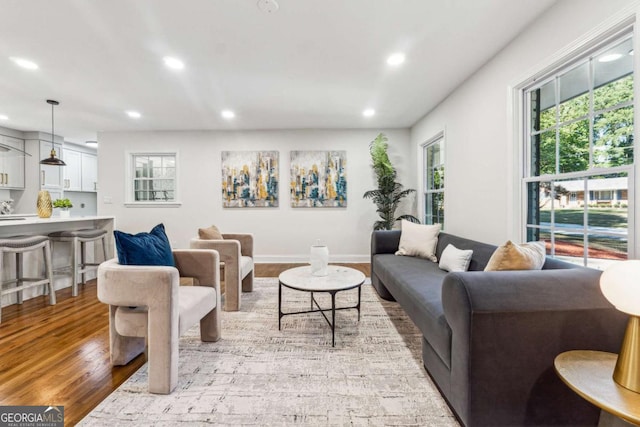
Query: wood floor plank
(59,355)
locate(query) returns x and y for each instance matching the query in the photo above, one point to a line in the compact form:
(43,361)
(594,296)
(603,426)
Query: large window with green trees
(580,156)
(434,181)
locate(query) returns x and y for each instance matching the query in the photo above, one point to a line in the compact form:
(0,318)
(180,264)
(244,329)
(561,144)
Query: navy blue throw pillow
(151,248)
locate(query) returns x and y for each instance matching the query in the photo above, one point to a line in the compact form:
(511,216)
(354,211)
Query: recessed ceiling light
(134,114)
(268,6)
(610,57)
(228,114)
(396,59)
(173,63)
(3,117)
(369,112)
(24,63)
(93,144)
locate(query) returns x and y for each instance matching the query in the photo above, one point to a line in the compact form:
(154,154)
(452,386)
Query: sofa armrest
(246,242)
(385,241)
(525,291)
(201,264)
(507,328)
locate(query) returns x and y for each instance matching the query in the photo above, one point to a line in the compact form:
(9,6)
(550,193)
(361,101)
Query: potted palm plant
(390,193)
(64,205)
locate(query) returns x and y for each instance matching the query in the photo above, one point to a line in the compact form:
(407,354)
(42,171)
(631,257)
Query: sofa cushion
(194,303)
(417,285)
(246,266)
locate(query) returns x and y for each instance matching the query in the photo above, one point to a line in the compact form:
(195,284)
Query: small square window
(152,178)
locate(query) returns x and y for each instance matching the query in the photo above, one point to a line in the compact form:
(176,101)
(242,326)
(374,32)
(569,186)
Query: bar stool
(19,245)
(81,237)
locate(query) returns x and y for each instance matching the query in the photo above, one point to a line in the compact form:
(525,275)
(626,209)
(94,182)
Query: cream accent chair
(147,302)
(236,252)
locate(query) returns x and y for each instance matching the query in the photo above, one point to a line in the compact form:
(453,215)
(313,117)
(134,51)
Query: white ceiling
(312,64)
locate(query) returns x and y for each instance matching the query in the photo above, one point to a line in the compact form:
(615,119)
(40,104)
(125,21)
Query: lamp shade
(620,284)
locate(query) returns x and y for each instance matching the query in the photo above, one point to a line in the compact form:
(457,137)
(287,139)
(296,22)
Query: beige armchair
(236,252)
(147,302)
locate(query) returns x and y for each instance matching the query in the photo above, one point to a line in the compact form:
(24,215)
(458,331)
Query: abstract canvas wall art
(318,179)
(250,179)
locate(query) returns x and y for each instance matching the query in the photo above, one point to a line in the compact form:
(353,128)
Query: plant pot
(65,213)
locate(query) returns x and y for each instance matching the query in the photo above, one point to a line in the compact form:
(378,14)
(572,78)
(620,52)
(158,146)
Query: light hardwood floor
(59,355)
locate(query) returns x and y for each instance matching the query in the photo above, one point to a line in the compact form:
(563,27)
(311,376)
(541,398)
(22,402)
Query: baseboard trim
(287,259)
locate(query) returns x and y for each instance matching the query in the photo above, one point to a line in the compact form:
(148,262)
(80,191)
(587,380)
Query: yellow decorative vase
(44,204)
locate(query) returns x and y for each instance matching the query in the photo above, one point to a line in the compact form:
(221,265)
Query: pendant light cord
(52,146)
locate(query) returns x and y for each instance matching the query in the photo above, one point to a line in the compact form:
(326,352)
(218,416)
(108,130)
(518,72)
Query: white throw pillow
(454,259)
(419,240)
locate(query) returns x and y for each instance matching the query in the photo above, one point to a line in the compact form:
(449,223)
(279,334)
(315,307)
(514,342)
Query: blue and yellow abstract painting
(318,179)
(250,179)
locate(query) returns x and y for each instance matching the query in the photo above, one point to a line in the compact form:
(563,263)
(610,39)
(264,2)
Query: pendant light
(52,160)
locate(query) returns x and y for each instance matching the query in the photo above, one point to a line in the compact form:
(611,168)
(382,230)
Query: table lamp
(620,284)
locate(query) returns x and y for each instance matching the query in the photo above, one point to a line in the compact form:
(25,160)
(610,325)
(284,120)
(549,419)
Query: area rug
(257,375)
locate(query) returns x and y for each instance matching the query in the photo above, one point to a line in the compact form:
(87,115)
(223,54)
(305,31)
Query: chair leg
(48,269)
(83,261)
(74,267)
(122,349)
(19,274)
(247,282)
(104,247)
(163,351)
(232,287)
(1,280)
(211,325)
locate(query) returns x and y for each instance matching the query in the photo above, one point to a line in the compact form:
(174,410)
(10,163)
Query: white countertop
(30,219)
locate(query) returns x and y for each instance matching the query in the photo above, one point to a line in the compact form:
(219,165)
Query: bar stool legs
(19,246)
(78,240)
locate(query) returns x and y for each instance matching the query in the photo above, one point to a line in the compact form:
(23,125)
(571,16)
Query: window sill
(153,204)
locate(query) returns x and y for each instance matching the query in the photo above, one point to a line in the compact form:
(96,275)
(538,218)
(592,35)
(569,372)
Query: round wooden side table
(590,374)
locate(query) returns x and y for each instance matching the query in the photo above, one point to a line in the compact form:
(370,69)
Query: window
(434,181)
(153,178)
(579,145)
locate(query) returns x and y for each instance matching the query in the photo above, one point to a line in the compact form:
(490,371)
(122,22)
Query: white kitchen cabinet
(89,172)
(81,172)
(73,170)
(51,177)
(12,164)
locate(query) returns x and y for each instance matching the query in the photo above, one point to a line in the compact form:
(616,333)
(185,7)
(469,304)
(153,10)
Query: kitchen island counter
(24,225)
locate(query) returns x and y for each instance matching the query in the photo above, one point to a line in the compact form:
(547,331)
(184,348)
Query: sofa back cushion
(481,251)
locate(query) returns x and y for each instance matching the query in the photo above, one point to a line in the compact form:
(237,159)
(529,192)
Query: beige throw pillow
(211,233)
(419,240)
(511,256)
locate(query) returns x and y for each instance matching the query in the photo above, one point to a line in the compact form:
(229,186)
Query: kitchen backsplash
(6,207)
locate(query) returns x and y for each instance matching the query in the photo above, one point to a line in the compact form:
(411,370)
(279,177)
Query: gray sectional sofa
(490,338)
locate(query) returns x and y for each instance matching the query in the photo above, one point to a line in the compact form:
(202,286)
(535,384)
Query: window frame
(438,138)
(524,132)
(131,157)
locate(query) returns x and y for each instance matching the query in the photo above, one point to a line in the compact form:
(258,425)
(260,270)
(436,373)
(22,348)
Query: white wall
(282,234)
(482,176)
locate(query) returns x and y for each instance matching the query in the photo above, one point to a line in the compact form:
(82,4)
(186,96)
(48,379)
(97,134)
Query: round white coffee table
(338,279)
